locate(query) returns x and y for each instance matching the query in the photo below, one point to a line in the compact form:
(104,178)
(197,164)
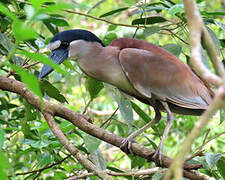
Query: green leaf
(91,143)
(22,32)
(136,161)
(151,142)
(6,42)
(158,176)
(43,59)
(149,20)
(113,12)
(210,14)
(6,11)
(109,38)
(4,166)
(178,8)
(98,159)
(140,112)
(56,7)
(93,86)
(214,38)
(44,159)
(30,80)
(51,91)
(222,115)
(112,27)
(58,21)
(2,137)
(124,107)
(204,57)
(51,27)
(221,166)
(151,30)
(69,65)
(36,4)
(212,159)
(173,48)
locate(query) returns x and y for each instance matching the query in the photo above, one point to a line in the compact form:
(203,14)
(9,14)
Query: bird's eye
(64,45)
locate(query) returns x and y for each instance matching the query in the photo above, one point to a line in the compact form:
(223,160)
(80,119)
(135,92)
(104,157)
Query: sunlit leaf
(30,80)
(58,6)
(6,11)
(178,8)
(36,4)
(22,32)
(109,38)
(220,24)
(4,166)
(43,59)
(2,137)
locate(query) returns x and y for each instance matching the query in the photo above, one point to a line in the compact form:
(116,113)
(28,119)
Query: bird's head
(68,44)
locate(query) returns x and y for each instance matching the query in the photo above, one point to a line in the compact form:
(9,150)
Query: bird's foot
(126,146)
(157,157)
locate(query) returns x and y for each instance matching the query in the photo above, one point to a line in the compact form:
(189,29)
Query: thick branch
(72,149)
(80,122)
(197,30)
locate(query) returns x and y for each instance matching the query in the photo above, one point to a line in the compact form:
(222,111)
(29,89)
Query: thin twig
(107,120)
(199,152)
(42,169)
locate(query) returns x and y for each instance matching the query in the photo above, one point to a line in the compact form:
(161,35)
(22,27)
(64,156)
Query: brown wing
(164,76)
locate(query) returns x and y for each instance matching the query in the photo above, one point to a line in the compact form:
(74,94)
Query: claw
(157,156)
(126,146)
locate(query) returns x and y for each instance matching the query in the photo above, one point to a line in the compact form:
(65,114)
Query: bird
(139,69)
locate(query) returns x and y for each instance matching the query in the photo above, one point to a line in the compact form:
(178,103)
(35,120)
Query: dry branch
(80,121)
(198,32)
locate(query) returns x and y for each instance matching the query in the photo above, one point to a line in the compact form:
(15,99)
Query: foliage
(26,142)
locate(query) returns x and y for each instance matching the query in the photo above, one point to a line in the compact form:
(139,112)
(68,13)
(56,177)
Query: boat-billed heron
(138,68)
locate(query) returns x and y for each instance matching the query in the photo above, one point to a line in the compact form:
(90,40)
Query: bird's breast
(105,67)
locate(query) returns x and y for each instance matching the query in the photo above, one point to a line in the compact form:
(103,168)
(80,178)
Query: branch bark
(81,122)
(198,31)
(72,149)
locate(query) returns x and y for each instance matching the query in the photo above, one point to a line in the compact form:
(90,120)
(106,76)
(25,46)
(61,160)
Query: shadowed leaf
(52,91)
(149,20)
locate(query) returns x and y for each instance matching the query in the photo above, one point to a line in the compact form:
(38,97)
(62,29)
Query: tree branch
(72,149)
(80,121)
(198,30)
(176,167)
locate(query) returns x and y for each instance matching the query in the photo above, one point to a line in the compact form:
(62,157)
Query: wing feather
(167,78)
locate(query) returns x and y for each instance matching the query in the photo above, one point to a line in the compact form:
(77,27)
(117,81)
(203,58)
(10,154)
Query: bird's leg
(126,144)
(157,154)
